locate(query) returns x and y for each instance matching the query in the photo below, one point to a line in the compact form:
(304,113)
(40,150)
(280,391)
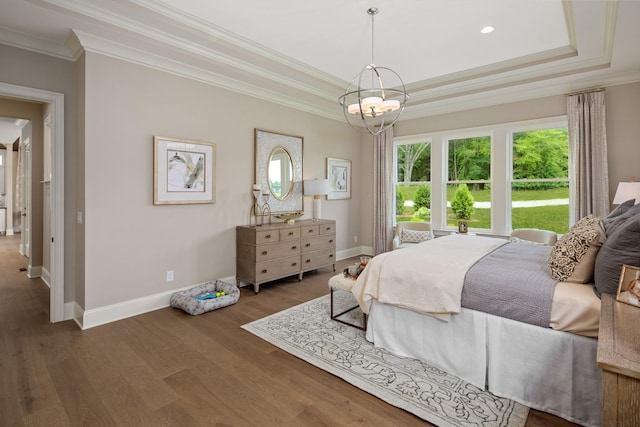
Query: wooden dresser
(619,358)
(277,250)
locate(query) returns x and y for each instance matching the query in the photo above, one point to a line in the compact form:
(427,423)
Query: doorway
(56,223)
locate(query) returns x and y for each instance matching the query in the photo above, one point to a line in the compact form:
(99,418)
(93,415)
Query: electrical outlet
(355,239)
(170,276)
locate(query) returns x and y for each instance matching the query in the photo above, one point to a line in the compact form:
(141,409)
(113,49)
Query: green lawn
(555,218)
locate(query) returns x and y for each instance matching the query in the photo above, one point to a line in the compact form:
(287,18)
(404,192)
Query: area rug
(307,332)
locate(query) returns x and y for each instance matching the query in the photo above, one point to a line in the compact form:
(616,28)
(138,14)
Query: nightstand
(619,359)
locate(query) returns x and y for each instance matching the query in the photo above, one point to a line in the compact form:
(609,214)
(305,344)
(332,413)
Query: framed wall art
(183,171)
(629,286)
(339,175)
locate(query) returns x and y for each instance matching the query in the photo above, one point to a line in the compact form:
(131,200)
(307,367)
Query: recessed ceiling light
(488,29)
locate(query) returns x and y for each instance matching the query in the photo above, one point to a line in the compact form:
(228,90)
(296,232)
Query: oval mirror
(280,173)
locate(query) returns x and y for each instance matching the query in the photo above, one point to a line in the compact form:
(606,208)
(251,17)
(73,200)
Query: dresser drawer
(276,250)
(318,243)
(313,260)
(327,229)
(290,233)
(282,267)
(267,236)
(309,230)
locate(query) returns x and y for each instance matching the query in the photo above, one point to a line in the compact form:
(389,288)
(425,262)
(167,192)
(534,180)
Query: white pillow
(414,236)
(514,239)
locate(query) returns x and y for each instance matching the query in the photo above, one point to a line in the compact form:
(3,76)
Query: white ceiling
(303,54)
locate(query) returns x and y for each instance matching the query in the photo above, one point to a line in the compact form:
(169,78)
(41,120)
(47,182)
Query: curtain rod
(580,92)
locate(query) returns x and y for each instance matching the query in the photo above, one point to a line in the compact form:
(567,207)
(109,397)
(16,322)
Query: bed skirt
(547,370)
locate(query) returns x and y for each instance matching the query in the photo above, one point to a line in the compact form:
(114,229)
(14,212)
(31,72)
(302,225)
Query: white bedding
(438,293)
(548,370)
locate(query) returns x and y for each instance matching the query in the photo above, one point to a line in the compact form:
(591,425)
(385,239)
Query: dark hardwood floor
(166,368)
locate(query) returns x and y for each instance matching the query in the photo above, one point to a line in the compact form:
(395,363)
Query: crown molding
(99,45)
(508,95)
(33,44)
(240,48)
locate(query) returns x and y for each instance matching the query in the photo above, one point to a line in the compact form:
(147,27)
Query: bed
(536,344)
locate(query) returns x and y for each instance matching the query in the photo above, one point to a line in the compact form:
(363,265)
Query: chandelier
(368,103)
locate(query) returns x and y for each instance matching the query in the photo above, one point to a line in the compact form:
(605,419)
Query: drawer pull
(294,248)
(307,245)
(268,236)
(264,252)
(310,231)
(291,233)
(331,241)
(331,256)
(294,264)
(307,261)
(264,271)
(328,228)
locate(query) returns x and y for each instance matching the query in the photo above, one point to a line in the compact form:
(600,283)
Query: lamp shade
(627,191)
(316,187)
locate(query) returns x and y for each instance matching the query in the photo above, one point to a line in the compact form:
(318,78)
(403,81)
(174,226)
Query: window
(413,181)
(517,175)
(469,183)
(540,179)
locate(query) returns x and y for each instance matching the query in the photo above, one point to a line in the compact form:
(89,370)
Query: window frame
(527,127)
(501,168)
(485,133)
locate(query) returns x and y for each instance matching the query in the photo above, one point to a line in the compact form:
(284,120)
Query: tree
(540,154)
(399,201)
(462,203)
(408,156)
(470,159)
(423,197)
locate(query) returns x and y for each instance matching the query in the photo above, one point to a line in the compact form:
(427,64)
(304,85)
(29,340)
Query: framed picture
(183,171)
(629,286)
(339,175)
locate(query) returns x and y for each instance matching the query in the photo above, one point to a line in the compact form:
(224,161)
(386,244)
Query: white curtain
(383,191)
(589,173)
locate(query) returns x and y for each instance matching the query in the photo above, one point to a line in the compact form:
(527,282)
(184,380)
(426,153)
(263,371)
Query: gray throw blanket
(513,281)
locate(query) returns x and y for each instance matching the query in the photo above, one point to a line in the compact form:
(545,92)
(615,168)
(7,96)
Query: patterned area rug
(307,332)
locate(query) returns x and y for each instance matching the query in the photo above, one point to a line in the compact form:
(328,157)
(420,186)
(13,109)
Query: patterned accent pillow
(415,236)
(573,257)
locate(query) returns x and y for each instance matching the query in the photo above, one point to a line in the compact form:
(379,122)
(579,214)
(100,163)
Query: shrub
(421,214)
(462,203)
(423,197)
(399,201)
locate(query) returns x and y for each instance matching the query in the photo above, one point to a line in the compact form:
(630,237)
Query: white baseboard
(34,272)
(357,251)
(45,277)
(110,313)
